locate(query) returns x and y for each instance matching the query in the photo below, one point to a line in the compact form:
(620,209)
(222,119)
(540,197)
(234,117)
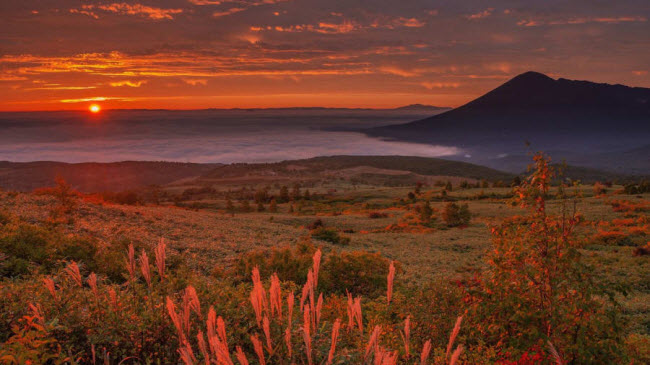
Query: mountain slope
(571,118)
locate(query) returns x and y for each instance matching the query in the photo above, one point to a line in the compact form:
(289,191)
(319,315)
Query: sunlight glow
(94,108)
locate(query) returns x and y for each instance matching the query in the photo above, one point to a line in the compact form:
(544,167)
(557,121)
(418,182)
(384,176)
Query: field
(212,238)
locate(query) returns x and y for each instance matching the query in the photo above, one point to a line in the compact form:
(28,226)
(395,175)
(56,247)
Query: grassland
(209,238)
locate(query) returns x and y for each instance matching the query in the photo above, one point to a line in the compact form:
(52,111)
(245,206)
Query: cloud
(505,67)
(205,2)
(482,14)
(241,2)
(230,11)
(194,139)
(581,20)
(196,82)
(84,12)
(128,9)
(411,22)
(95,98)
(439,85)
(128,83)
(54,87)
(345,26)
(393,70)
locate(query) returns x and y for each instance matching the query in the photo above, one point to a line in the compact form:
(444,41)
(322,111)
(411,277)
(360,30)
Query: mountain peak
(531,77)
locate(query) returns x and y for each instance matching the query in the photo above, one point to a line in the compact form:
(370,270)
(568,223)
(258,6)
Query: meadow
(373,270)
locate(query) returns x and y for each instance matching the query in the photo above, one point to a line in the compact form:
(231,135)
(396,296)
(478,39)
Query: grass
(209,240)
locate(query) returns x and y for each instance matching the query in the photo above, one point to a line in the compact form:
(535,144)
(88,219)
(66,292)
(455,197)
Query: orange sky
(186,54)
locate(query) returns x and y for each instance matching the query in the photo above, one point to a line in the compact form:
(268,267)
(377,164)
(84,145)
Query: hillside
(572,120)
(326,164)
(94,177)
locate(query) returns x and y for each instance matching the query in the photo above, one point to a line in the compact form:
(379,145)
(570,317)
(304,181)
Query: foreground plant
(537,289)
(278,339)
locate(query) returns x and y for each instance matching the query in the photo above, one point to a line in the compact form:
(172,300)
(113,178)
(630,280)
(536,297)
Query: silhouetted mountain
(422,107)
(570,118)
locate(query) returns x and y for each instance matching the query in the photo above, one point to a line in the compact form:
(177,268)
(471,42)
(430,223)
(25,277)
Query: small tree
(599,189)
(411,196)
(448,186)
(245,206)
(273,206)
(284,194)
(230,208)
(536,289)
(261,196)
(295,192)
(418,187)
(65,200)
(425,213)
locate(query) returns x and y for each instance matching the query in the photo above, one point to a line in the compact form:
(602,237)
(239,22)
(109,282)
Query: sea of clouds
(223,136)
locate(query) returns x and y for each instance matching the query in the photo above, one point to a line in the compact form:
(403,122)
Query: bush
(289,263)
(315,224)
(377,215)
(5,218)
(360,272)
(456,215)
(426,213)
(330,235)
(28,246)
(536,289)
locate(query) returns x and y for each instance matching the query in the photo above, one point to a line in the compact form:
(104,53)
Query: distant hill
(589,176)
(576,120)
(422,107)
(417,165)
(96,177)
(411,107)
(372,170)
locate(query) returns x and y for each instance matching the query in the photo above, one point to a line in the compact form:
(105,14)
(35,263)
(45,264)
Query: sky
(193,54)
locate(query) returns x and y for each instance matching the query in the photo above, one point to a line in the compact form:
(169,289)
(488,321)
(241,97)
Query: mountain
(421,107)
(572,120)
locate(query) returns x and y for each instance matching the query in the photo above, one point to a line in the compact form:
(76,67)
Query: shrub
(642,251)
(5,218)
(289,263)
(28,246)
(330,235)
(65,200)
(377,215)
(456,215)
(360,272)
(599,189)
(315,224)
(426,213)
(537,290)
(613,238)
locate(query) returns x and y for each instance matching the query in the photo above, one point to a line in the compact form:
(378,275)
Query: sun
(94,108)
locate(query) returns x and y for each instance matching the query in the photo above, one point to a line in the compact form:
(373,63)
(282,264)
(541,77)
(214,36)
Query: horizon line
(403,107)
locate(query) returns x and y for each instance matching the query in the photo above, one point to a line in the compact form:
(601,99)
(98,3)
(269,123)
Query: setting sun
(94,108)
